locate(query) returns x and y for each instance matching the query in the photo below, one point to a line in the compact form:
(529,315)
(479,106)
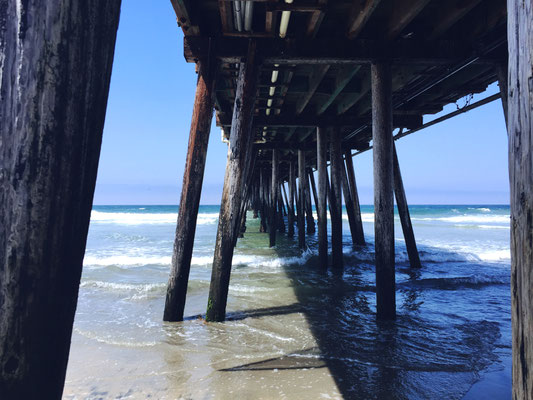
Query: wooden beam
(502,71)
(56,60)
(288,120)
(190,193)
(520,128)
(359,233)
(449,14)
(239,161)
(226,15)
(348,101)
(321,143)
(383,190)
(350,206)
(315,19)
(343,77)
(403,211)
(182,10)
(403,12)
(328,52)
(314,80)
(335,207)
(359,14)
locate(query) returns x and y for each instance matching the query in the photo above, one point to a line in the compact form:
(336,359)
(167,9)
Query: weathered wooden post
(274,198)
(282,199)
(502,72)
(336,197)
(55,68)
(286,200)
(313,187)
(350,206)
(383,189)
(281,222)
(403,211)
(301,198)
(310,220)
(292,192)
(321,164)
(190,192)
(520,130)
(263,201)
(360,236)
(239,157)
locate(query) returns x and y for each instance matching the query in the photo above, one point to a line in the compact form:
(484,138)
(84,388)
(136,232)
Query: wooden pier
(296,85)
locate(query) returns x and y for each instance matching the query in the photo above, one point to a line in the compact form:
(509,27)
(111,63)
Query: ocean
(294,332)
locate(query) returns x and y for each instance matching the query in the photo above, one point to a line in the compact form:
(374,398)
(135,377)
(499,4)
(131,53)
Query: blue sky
(460,161)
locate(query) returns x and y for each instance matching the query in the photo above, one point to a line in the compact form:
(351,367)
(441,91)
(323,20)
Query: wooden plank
(403,211)
(359,236)
(520,128)
(301,199)
(315,19)
(239,160)
(360,12)
(287,120)
(502,72)
(383,190)
(274,198)
(314,80)
(348,101)
(449,14)
(321,143)
(327,52)
(343,77)
(56,66)
(190,193)
(403,12)
(335,154)
(226,16)
(183,14)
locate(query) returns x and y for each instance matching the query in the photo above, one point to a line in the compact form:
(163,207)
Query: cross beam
(331,52)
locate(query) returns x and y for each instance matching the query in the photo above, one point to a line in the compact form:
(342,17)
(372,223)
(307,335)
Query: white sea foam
(483,209)
(248,289)
(146,218)
(495,255)
(124,287)
(128,260)
(475,219)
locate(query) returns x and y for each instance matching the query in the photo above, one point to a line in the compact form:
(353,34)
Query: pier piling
(239,157)
(520,131)
(302,177)
(321,163)
(310,220)
(403,211)
(292,193)
(354,195)
(55,67)
(274,198)
(381,81)
(191,191)
(336,198)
